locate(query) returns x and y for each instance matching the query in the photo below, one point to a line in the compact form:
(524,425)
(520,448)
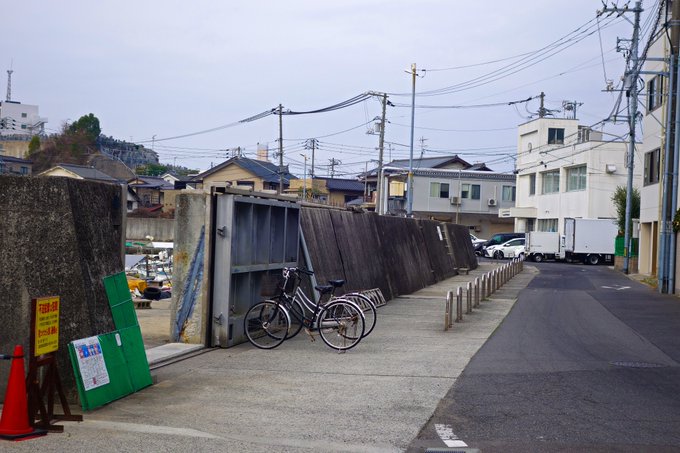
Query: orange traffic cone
(14,423)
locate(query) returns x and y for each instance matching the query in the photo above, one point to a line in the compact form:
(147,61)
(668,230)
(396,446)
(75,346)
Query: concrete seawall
(396,254)
(58,236)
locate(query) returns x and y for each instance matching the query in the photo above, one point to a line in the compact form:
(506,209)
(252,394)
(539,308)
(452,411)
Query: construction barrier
(14,422)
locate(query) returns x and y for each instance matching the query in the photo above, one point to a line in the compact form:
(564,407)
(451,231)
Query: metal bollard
(447,310)
(476,291)
(483,287)
(468,297)
(459,304)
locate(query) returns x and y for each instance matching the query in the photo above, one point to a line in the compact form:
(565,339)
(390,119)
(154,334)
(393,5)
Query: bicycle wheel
(297,316)
(266,324)
(368,308)
(341,324)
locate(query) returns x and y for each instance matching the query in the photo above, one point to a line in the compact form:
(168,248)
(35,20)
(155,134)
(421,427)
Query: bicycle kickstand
(311,334)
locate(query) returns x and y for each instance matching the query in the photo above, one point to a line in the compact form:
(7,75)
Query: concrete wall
(192,212)
(58,236)
(14,148)
(160,229)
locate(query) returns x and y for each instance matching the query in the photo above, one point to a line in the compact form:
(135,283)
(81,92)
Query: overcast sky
(169,68)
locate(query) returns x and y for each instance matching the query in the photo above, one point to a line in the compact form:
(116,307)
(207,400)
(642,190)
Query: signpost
(44,344)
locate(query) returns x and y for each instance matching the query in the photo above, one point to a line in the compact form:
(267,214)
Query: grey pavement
(302,396)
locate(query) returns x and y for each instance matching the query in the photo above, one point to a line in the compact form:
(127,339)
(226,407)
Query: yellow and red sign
(46,325)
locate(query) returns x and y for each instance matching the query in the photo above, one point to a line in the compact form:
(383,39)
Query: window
(475,191)
(654,92)
(583,134)
(651,175)
(555,136)
(532,184)
(550,181)
(439,190)
(250,184)
(23,115)
(576,178)
(471,191)
(24,170)
(508,193)
(547,225)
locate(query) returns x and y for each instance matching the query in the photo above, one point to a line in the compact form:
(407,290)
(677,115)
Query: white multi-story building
(17,119)
(565,170)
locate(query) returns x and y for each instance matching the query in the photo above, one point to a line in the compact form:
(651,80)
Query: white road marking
(618,288)
(445,433)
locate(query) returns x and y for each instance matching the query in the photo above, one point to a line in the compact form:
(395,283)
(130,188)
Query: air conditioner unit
(455,201)
(492,202)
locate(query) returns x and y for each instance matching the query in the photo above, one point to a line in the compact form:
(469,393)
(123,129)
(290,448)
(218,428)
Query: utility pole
(311,144)
(381,151)
(365,181)
(409,181)
(632,102)
(632,94)
(541,109)
(304,179)
(280,149)
(332,163)
(422,145)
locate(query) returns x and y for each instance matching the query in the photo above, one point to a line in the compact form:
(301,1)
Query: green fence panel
(120,301)
(137,363)
(619,246)
(122,350)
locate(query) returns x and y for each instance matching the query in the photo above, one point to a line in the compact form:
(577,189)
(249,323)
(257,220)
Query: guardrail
(477,290)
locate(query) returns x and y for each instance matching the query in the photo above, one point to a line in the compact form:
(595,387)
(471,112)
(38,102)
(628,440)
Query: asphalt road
(587,360)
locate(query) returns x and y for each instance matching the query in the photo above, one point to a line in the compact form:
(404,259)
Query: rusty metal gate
(255,236)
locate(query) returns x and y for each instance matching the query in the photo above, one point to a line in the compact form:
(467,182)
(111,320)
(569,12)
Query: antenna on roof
(9,85)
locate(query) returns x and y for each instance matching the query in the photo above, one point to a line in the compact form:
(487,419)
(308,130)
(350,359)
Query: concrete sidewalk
(303,396)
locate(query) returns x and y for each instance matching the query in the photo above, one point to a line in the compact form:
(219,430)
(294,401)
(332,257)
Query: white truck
(590,241)
(544,245)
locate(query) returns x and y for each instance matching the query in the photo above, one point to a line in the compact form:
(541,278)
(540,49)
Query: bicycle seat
(323,289)
(336,283)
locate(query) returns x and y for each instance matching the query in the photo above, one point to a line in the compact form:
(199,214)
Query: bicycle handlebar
(298,270)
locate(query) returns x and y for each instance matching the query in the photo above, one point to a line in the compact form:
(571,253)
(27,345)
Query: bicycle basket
(269,285)
(289,285)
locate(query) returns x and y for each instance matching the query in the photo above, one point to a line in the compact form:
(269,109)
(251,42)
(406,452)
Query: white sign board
(91,363)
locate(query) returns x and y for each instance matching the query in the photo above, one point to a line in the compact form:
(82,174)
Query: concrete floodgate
(303,396)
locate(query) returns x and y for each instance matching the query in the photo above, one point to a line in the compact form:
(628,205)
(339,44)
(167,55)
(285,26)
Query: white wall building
(20,119)
(565,170)
(466,197)
(654,107)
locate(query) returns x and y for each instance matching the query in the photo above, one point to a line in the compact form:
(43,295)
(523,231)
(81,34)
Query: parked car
(476,241)
(511,249)
(498,238)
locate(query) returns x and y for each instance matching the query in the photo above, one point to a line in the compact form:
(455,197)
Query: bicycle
(340,322)
(297,302)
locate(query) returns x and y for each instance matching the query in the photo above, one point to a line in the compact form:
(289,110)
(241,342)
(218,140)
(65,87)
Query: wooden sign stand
(41,394)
